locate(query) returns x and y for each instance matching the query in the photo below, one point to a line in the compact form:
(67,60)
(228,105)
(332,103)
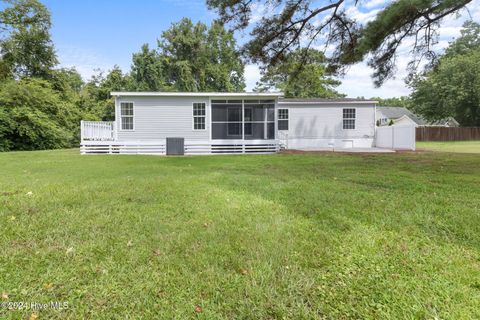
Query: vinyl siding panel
(326,121)
(161,117)
(322,125)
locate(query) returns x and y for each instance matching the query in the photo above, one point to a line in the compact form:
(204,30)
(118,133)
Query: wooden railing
(97,130)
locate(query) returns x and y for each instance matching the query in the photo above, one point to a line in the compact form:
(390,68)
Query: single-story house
(196,123)
(403,116)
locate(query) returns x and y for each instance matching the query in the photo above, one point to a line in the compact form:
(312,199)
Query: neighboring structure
(229,123)
(403,116)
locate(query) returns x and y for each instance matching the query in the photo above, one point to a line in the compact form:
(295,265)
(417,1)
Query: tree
(287,25)
(451,89)
(26,48)
(198,58)
(34,116)
(469,40)
(67,82)
(95,98)
(404,102)
(147,71)
(301,74)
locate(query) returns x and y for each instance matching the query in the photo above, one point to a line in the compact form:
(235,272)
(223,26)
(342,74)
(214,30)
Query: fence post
(81,131)
(393,136)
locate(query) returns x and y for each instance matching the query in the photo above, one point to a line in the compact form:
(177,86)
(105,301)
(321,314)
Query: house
(403,116)
(197,123)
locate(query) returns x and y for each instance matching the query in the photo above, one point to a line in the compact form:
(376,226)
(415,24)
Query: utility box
(175,146)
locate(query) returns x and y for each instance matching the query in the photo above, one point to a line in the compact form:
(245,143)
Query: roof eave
(330,102)
(195,94)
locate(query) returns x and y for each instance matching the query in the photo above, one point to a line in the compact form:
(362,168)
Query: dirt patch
(9,193)
(293,151)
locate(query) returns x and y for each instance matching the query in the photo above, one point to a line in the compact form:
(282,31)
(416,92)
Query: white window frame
(127,116)
(288,119)
(197,116)
(354,119)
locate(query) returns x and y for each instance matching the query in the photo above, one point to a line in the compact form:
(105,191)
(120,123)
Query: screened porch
(243,119)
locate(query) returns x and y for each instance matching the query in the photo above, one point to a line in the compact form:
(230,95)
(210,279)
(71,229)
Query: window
(199,115)
(348,119)
(282,119)
(126,115)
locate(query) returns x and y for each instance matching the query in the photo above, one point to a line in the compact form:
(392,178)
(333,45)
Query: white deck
(100,138)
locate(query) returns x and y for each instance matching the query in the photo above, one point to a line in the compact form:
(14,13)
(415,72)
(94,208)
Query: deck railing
(97,130)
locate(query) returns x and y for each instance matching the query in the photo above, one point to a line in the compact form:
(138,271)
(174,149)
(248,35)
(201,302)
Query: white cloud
(375,3)
(361,17)
(258,12)
(85,61)
(252,75)
(358,82)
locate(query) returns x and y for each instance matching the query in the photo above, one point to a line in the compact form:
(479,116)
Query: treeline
(41,105)
(450,87)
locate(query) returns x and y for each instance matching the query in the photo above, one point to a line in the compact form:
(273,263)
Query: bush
(33,116)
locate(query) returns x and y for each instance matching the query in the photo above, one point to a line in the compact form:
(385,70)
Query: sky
(96,35)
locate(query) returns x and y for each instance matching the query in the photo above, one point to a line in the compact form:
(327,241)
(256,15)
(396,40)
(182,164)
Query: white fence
(97,130)
(396,137)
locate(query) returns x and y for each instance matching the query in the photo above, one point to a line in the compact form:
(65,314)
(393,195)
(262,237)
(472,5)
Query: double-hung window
(349,119)
(199,115)
(126,115)
(282,119)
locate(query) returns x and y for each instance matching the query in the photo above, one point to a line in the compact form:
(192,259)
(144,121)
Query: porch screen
(247,119)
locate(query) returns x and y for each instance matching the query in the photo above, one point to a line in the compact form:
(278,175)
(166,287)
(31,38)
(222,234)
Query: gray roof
(447,122)
(325,100)
(398,112)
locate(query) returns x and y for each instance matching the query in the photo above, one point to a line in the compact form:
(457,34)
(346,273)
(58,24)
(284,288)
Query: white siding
(161,117)
(321,126)
(311,126)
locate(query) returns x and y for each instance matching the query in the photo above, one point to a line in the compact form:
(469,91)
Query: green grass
(451,146)
(292,236)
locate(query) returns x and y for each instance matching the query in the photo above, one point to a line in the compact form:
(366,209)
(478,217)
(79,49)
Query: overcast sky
(92,35)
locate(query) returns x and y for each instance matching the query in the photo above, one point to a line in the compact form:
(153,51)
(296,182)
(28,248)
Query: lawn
(451,146)
(289,236)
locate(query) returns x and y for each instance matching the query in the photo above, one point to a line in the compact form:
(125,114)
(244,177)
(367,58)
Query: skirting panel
(318,144)
(191,148)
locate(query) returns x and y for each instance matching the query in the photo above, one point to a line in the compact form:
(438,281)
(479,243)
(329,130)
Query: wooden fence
(447,134)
